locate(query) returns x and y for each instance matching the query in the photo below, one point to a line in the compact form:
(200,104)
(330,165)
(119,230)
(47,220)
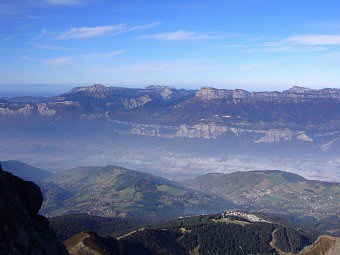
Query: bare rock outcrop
(22,230)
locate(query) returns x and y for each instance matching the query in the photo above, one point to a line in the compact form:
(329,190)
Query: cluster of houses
(248,216)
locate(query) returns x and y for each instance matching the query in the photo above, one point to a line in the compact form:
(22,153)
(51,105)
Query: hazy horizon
(13,90)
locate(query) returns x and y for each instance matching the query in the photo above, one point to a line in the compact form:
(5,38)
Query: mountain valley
(273,191)
(141,211)
(113,191)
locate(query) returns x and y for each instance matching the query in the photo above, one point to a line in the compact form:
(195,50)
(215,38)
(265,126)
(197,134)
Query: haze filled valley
(166,131)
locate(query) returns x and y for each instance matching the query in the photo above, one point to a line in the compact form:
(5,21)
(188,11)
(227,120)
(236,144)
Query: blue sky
(254,44)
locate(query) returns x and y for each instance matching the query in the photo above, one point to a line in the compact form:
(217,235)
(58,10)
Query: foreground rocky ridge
(207,234)
(22,230)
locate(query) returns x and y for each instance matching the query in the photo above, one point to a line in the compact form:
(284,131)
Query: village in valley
(245,215)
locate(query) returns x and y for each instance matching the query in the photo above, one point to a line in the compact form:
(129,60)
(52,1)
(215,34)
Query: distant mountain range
(300,118)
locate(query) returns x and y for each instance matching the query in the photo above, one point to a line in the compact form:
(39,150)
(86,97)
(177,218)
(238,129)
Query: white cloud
(272,44)
(234,46)
(146,26)
(51,61)
(314,39)
(10,9)
(178,66)
(88,32)
(291,48)
(253,67)
(64,2)
(293,44)
(104,55)
(325,24)
(182,35)
(56,61)
(50,47)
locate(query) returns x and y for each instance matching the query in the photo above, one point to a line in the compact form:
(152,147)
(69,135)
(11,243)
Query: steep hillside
(68,225)
(90,243)
(205,234)
(325,245)
(22,230)
(148,242)
(274,191)
(115,191)
(322,226)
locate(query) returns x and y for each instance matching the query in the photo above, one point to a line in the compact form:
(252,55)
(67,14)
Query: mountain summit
(96,91)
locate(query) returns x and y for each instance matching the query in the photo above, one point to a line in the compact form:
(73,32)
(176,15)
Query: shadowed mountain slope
(204,234)
(25,171)
(68,225)
(22,230)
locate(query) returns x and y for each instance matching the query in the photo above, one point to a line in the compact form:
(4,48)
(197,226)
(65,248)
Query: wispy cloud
(325,24)
(234,46)
(293,44)
(301,43)
(50,47)
(145,26)
(285,47)
(56,61)
(178,66)
(64,2)
(51,61)
(10,9)
(105,55)
(314,39)
(89,32)
(253,67)
(183,35)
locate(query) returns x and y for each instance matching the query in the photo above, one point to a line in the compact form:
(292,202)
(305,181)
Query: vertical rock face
(165,92)
(298,93)
(22,230)
(208,93)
